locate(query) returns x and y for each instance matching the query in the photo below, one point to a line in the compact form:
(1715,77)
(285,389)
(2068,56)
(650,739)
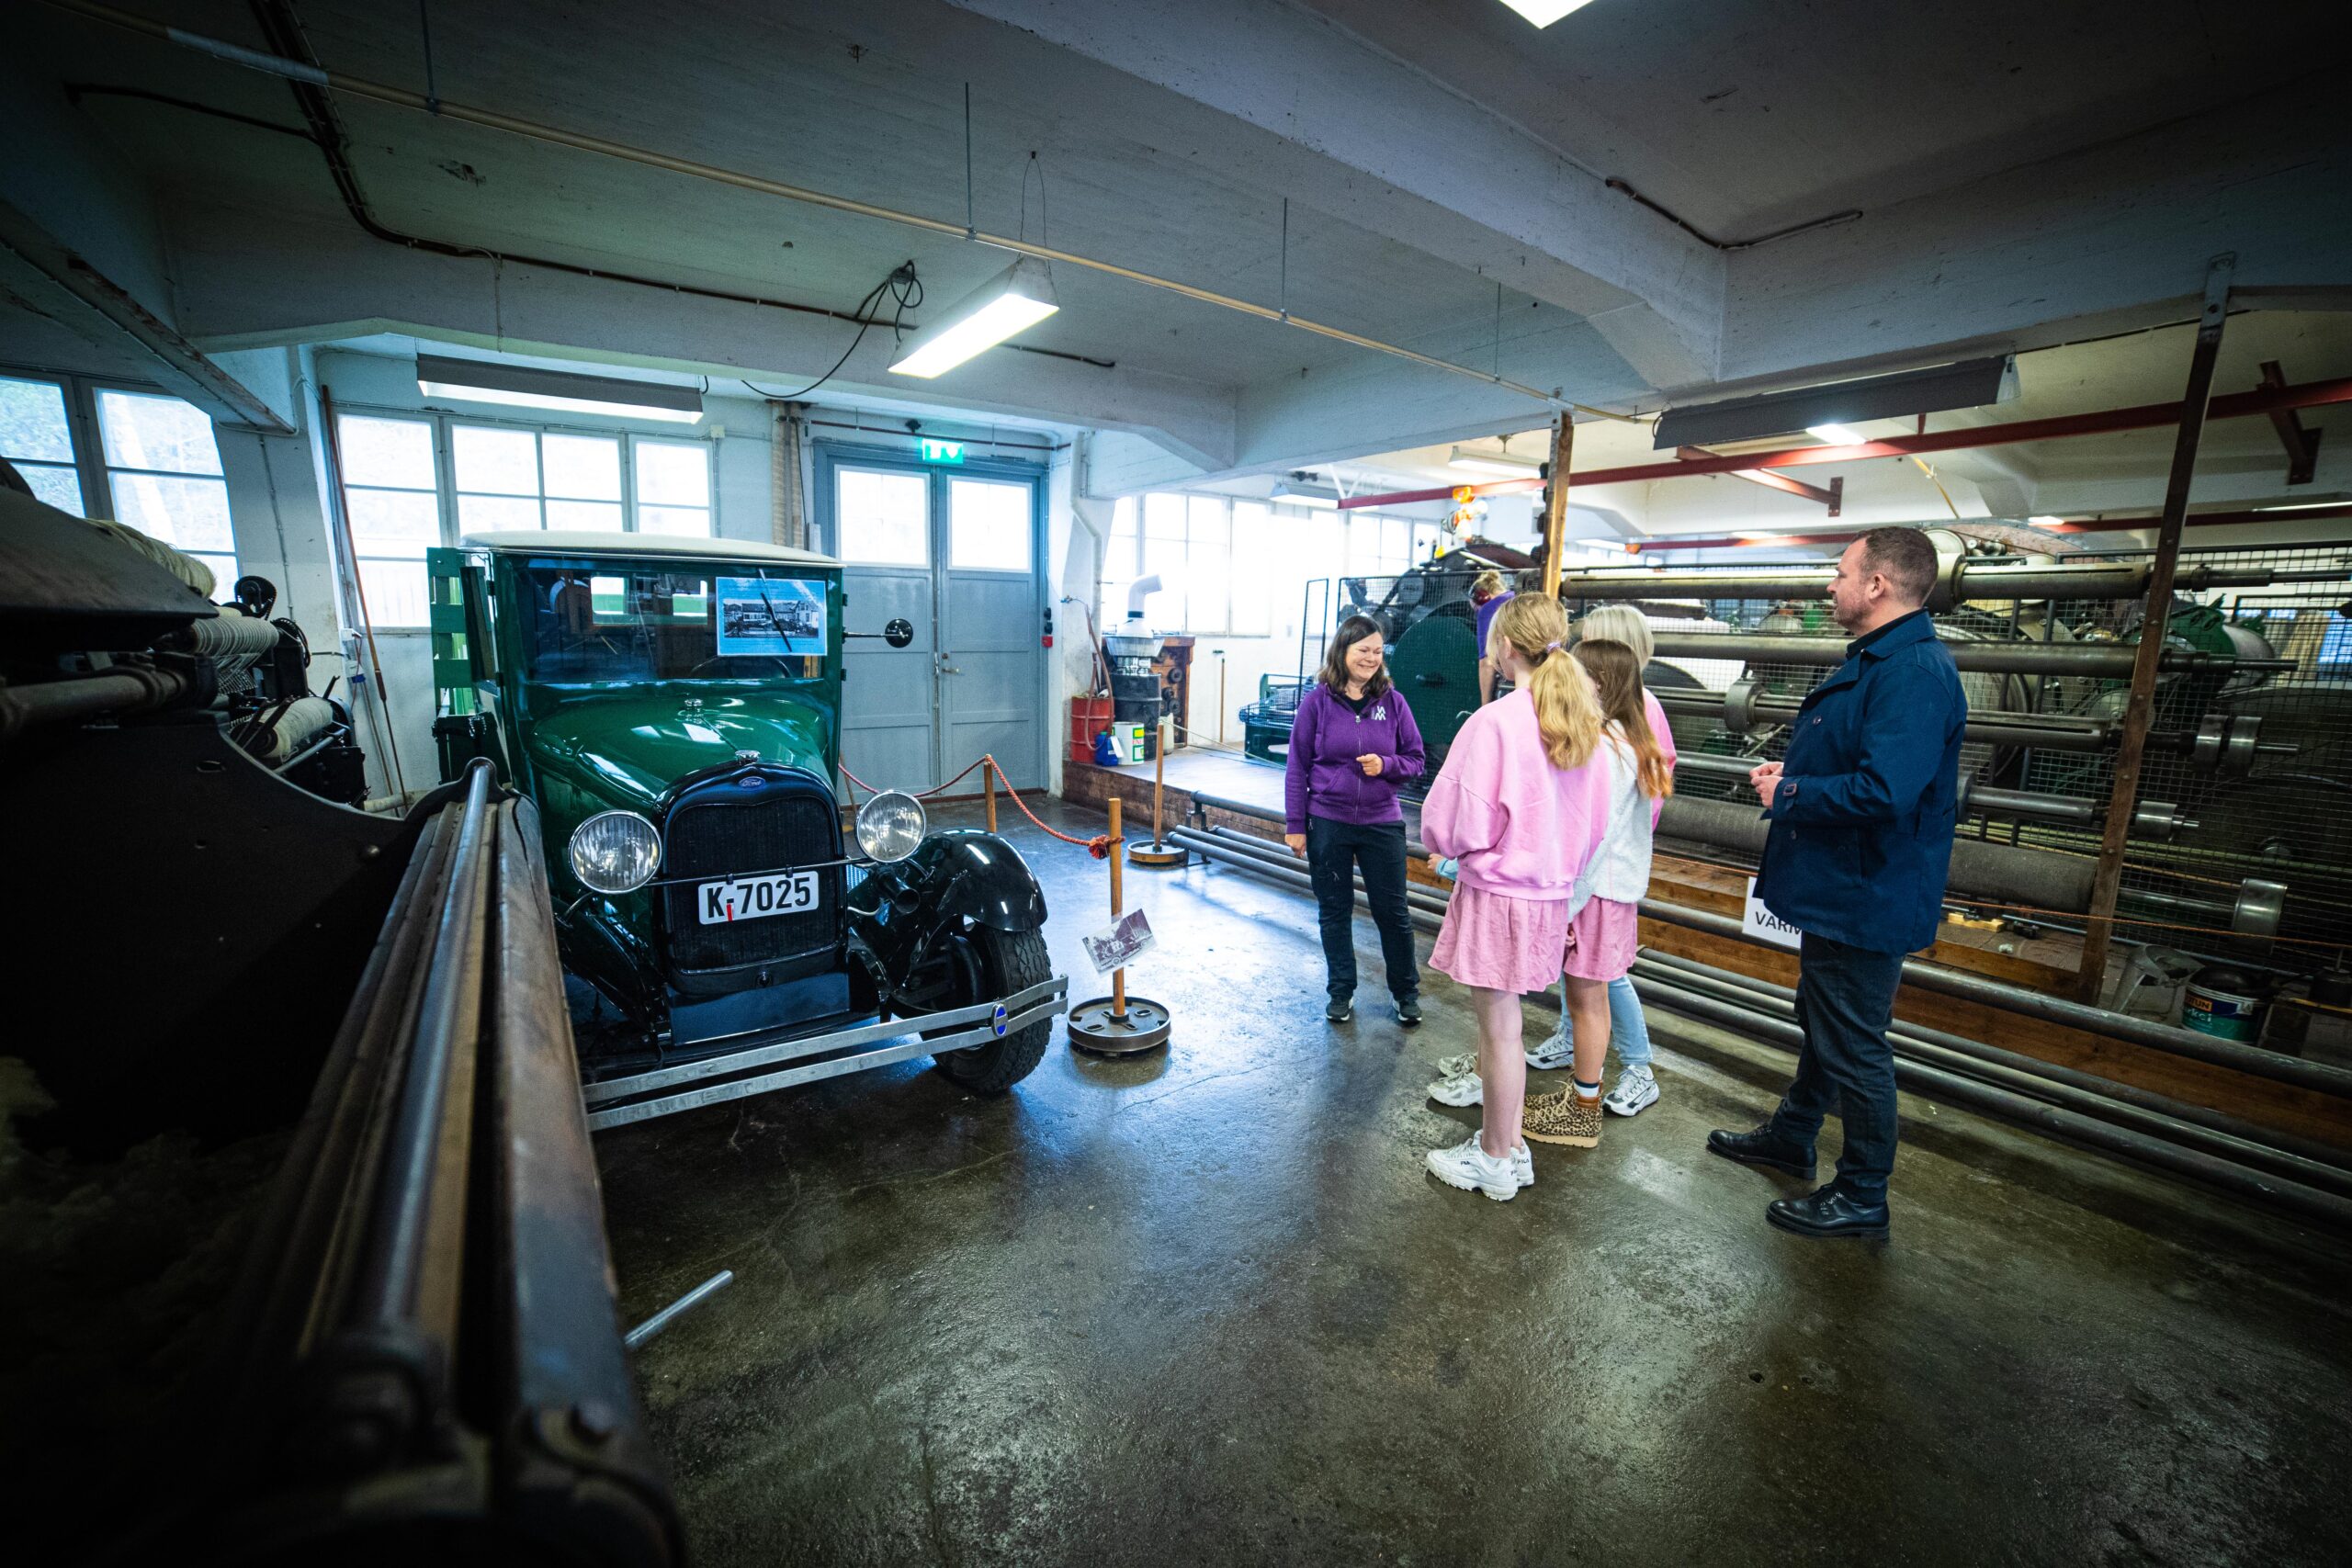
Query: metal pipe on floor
(2091,1020)
(2058,1122)
(2155,1115)
(1420,897)
(1423,919)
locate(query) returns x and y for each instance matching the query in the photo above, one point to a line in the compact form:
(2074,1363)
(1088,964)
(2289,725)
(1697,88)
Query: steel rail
(2101,660)
(2103,579)
(512,125)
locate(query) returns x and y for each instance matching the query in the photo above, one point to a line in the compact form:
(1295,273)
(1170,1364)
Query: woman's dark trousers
(1335,851)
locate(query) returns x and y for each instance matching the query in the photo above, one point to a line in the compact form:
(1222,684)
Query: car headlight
(889,826)
(616,851)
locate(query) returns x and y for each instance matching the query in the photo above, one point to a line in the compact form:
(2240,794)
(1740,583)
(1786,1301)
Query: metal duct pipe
(2099,660)
(2165,1037)
(1423,919)
(2193,1126)
(1413,846)
(1970,581)
(1999,872)
(2070,1125)
(2158,820)
(125,688)
(1428,898)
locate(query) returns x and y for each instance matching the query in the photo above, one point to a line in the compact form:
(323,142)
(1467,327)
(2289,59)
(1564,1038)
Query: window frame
(1420,534)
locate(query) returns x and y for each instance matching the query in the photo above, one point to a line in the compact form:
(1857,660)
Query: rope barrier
(1098,846)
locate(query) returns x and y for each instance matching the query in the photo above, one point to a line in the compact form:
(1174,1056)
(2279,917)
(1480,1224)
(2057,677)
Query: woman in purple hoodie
(1353,743)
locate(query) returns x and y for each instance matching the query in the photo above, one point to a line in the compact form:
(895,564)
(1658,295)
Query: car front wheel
(994,965)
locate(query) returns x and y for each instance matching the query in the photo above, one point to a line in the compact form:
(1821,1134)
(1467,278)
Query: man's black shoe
(1829,1212)
(1342,1008)
(1760,1147)
(1409,1011)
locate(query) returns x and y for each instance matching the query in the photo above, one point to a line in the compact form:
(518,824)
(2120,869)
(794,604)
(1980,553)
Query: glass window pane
(1164,516)
(394,521)
(582,468)
(492,514)
(144,430)
(691,521)
(223,569)
(393,452)
(988,525)
(395,591)
(882,518)
(32,423)
(1253,526)
(192,514)
(602,516)
(61,487)
(674,473)
(495,462)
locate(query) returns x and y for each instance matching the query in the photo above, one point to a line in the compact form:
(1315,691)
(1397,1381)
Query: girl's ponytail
(1566,709)
(1616,671)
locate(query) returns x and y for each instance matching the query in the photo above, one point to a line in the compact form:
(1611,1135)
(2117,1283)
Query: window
(883,519)
(988,525)
(672,487)
(508,478)
(163,476)
(1189,542)
(36,438)
(394,505)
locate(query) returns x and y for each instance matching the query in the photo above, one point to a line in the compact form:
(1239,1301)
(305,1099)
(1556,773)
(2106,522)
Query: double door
(959,553)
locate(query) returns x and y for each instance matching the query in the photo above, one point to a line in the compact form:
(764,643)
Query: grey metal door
(956,553)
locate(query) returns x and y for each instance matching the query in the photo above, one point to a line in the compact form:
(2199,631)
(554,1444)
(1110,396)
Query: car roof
(590,542)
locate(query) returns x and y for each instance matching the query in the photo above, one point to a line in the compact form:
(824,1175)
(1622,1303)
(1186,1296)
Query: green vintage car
(674,708)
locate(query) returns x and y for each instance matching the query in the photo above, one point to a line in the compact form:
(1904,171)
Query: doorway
(958,553)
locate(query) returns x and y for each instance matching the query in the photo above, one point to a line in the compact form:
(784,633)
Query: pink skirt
(1603,939)
(1502,943)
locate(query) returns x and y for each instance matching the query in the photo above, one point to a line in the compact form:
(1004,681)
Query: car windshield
(631,623)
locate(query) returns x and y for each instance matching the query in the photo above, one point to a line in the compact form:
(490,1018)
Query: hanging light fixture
(1018,298)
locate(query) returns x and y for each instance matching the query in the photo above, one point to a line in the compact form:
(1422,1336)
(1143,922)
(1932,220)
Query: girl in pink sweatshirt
(1519,804)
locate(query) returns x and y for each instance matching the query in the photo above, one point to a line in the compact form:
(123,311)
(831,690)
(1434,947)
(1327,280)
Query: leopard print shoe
(1561,1118)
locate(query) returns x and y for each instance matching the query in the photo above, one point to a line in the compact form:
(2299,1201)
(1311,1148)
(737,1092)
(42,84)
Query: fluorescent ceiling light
(1492,463)
(1836,435)
(1018,298)
(518,385)
(1290,494)
(1905,395)
(1543,13)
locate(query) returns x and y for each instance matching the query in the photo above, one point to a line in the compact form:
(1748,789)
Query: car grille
(713,836)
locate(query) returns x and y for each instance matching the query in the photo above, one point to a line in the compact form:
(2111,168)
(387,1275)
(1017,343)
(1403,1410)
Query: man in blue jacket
(1863,807)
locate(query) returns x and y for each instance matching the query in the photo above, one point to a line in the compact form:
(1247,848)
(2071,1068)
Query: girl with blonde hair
(1520,807)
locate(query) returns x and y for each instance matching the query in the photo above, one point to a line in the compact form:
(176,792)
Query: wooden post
(988,788)
(2091,977)
(1118,975)
(1555,514)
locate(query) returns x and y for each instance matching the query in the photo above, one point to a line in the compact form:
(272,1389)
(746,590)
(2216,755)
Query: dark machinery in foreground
(420,1358)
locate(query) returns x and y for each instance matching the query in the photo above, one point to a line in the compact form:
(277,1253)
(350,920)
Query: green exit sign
(941,451)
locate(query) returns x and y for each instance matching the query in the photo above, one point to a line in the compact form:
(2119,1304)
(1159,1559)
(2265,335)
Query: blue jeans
(1845,1000)
(1629,1030)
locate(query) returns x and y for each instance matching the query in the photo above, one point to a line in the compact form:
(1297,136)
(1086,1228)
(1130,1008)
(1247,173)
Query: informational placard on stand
(1116,944)
(1761,923)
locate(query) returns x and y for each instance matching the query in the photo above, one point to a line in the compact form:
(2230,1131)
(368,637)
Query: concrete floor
(1205,1306)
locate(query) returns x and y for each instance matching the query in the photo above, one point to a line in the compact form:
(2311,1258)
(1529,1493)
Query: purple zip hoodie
(1325,779)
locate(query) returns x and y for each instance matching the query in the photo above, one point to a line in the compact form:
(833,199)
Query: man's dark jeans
(1378,848)
(1845,1002)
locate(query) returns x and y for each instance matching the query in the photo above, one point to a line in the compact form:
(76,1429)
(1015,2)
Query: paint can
(2220,1002)
(1136,742)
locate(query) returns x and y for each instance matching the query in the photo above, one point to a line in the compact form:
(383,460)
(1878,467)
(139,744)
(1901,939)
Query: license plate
(786,893)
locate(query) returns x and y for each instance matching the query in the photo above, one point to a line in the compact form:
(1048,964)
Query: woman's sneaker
(1635,1091)
(1522,1160)
(1562,1118)
(1461,1088)
(1558,1050)
(1454,1066)
(1472,1169)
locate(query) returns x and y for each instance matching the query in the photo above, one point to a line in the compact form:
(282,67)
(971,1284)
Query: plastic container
(2222,1003)
(1136,743)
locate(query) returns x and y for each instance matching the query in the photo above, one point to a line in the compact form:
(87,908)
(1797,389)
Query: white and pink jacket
(1516,825)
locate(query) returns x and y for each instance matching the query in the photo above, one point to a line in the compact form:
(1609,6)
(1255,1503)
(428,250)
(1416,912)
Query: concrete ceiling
(1443,163)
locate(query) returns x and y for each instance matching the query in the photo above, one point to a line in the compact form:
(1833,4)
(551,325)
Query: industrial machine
(671,706)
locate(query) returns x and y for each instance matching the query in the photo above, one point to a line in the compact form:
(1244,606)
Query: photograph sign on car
(770,616)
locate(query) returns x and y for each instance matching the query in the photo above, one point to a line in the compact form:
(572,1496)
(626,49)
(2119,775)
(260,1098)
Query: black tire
(1008,963)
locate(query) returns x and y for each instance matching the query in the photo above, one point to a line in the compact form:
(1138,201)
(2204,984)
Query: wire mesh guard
(2220,800)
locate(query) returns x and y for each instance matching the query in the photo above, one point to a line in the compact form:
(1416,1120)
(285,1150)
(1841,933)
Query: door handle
(945,668)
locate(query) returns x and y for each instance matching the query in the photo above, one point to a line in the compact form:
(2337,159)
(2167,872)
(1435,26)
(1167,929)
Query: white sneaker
(1461,1088)
(1472,1169)
(1635,1092)
(1558,1050)
(1522,1160)
(1454,1066)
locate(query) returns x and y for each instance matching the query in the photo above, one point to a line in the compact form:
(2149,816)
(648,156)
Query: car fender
(898,912)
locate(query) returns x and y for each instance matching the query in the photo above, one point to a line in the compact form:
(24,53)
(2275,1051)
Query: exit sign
(941,451)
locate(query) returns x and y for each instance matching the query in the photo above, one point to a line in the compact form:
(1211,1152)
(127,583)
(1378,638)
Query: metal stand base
(1158,855)
(1092,1027)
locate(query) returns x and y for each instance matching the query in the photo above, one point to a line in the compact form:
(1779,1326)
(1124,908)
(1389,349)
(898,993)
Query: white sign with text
(1765,926)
